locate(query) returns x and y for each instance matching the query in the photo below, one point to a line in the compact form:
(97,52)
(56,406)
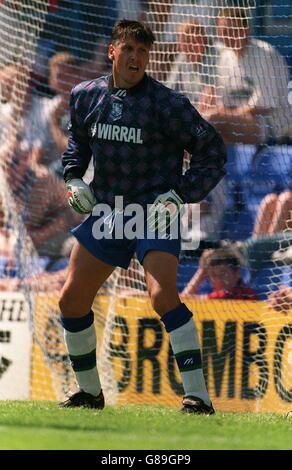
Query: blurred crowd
(237,82)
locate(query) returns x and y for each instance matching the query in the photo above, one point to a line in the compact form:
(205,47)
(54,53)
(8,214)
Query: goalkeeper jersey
(137,138)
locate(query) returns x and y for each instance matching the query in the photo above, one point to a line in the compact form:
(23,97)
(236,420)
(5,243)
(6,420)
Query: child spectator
(222,268)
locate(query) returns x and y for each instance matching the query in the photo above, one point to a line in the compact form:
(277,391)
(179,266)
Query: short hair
(62,58)
(224,257)
(235,12)
(136,30)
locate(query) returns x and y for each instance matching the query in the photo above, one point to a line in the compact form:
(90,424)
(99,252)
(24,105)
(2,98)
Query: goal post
(246,344)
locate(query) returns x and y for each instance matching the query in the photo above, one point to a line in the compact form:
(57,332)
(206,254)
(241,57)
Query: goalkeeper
(137,130)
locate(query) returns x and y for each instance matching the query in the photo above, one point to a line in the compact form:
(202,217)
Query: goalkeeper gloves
(80,196)
(164,211)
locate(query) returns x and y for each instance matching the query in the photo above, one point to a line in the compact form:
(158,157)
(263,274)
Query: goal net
(233,60)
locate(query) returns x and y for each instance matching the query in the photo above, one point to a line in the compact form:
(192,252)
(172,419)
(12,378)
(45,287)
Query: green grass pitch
(41,425)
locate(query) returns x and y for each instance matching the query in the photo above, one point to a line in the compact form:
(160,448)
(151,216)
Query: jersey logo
(199,130)
(116,112)
(188,361)
(120,92)
(93,129)
(119,133)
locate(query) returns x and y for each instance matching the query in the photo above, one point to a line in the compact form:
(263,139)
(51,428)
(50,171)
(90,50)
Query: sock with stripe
(186,348)
(80,338)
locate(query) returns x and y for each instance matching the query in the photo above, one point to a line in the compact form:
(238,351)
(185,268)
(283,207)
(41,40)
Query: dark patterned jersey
(137,138)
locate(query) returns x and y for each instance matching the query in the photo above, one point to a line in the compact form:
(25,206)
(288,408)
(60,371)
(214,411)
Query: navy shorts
(119,252)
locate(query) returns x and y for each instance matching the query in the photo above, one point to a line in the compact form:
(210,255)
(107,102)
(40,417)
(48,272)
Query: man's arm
(77,156)
(207,149)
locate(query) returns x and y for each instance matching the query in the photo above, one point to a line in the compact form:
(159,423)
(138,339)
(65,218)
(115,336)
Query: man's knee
(163,301)
(73,305)
(66,303)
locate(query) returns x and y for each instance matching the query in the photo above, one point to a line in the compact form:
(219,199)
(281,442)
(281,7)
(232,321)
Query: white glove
(164,211)
(80,196)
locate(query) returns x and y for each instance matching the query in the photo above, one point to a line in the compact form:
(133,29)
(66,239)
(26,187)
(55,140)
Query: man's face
(129,61)
(232,31)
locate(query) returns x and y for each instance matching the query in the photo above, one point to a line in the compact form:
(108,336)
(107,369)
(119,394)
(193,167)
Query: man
(137,130)
(251,104)
(47,221)
(64,74)
(192,72)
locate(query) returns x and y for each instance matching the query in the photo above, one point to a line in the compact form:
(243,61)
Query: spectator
(251,105)
(39,281)
(64,74)
(98,65)
(212,211)
(166,16)
(17,32)
(7,247)
(274,214)
(9,260)
(132,9)
(222,268)
(38,195)
(18,101)
(41,121)
(24,126)
(193,71)
(7,75)
(41,200)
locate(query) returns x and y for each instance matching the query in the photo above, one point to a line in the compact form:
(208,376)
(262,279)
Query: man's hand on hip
(164,211)
(80,196)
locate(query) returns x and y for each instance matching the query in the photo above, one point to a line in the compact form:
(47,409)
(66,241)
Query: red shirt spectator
(235,293)
(222,269)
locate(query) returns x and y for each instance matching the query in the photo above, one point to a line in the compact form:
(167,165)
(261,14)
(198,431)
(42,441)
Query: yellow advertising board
(246,353)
